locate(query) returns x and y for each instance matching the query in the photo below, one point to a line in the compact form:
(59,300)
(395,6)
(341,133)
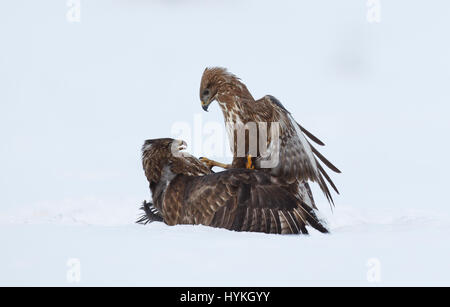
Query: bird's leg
(211,163)
(249,164)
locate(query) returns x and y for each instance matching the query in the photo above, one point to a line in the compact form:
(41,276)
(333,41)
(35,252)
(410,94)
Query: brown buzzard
(185,191)
(298,160)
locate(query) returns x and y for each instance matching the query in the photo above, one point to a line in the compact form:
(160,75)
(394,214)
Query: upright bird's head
(209,86)
(216,83)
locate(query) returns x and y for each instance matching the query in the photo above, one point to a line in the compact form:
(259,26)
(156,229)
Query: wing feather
(311,136)
(324,160)
(298,159)
(256,204)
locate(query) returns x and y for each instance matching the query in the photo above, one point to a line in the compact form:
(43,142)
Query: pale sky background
(77,100)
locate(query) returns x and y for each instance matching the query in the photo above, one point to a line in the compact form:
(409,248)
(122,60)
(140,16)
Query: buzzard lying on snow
(297,158)
(185,191)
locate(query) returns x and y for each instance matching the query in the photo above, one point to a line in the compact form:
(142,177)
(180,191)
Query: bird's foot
(211,163)
(249,164)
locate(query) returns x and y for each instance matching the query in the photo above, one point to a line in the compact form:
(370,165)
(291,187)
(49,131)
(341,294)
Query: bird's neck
(234,99)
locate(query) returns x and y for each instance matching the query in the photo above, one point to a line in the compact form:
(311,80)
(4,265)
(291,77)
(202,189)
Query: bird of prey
(185,191)
(298,159)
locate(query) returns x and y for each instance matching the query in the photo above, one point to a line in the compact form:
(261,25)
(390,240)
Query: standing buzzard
(185,191)
(297,158)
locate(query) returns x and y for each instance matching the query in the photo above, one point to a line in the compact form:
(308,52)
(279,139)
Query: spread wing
(298,158)
(245,200)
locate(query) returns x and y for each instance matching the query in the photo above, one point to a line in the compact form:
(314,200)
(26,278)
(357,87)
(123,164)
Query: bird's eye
(206,92)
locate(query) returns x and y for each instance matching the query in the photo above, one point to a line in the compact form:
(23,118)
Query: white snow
(411,247)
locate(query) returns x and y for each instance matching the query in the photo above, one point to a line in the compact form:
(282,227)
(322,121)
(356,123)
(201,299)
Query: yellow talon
(211,163)
(249,164)
(207,162)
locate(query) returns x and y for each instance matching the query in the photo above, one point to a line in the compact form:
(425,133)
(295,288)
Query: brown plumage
(298,159)
(185,191)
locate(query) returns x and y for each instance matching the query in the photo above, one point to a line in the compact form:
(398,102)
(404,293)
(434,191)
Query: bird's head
(217,82)
(209,87)
(160,153)
(163,148)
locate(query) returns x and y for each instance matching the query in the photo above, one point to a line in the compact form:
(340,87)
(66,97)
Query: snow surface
(77,101)
(411,247)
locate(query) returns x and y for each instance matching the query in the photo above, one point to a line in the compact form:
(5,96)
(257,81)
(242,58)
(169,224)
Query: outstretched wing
(245,200)
(298,159)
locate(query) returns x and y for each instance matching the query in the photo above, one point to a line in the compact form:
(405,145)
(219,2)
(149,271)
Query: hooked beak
(205,105)
(182,146)
(177,148)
